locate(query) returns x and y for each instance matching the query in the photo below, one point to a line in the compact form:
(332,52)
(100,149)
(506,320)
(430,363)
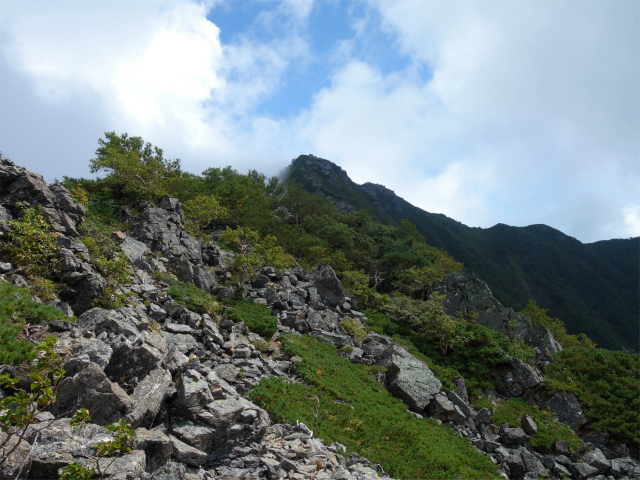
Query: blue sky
(489,111)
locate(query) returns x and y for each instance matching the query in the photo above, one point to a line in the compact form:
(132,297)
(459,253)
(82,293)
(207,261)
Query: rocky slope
(180,378)
(592,288)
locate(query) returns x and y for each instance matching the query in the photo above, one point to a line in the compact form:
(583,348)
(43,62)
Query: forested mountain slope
(593,288)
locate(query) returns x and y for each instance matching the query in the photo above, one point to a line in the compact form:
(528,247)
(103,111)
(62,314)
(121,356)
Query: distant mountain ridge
(594,288)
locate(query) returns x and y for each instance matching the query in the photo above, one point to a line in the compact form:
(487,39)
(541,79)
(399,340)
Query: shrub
(189,295)
(355,411)
(256,317)
(123,434)
(353,327)
(607,383)
(17,310)
(109,259)
(135,167)
(556,327)
(549,429)
(253,253)
(32,243)
(200,212)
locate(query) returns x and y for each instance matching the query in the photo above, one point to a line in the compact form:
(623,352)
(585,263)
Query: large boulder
(567,409)
(409,379)
(327,284)
(518,377)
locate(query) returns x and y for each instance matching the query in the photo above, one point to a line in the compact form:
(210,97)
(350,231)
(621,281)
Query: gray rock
(329,287)
(596,459)
(182,342)
(193,394)
(91,389)
(519,377)
(464,407)
(529,425)
(532,465)
(412,381)
(83,351)
(128,362)
(156,445)
(483,416)
(514,436)
(187,454)
(15,462)
(98,320)
(567,409)
(133,249)
(147,398)
(582,470)
(196,434)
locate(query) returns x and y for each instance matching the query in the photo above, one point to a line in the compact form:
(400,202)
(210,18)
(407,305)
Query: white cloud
(631,214)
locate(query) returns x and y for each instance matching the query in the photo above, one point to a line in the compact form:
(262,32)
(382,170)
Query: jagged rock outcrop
(468,294)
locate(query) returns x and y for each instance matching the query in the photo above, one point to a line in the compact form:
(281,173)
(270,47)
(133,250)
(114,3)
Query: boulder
(410,379)
(567,409)
(147,398)
(519,377)
(327,284)
(156,445)
(91,389)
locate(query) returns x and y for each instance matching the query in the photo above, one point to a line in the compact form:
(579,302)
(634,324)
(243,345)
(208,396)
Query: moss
(256,317)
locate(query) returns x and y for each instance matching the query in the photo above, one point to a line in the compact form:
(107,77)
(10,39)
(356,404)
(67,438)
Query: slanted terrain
(158,324)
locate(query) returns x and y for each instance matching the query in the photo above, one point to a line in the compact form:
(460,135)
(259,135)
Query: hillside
(138,340)
(594,288)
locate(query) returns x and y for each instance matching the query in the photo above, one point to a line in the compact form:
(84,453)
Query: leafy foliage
(17,309)
(549,429)
(108,258)
(31,244)
(121,443)
(606,382)
(256,317)
(353,326)
(134,167)
(253,252)
(200,212)
(355,411)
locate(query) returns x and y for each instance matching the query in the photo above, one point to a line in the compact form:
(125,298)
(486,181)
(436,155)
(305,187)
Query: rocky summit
(180,377)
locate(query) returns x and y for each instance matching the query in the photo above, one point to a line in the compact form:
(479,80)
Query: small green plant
(124,435)
(353,326)
(256,317)
(261,345)
(19,410)
(556,327)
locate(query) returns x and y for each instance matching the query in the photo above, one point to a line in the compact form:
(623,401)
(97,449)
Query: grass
(359,413)
(549,429)
(606,382)
(256,317)
(18,308)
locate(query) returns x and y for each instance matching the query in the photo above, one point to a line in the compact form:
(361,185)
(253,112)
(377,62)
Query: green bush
(607,383)
(355,411)
(549,429)
(189,295)
(17,308)
(256,317)
(31,244)
(556,327)
(353,327)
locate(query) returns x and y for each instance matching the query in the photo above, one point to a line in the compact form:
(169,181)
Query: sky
(488,111)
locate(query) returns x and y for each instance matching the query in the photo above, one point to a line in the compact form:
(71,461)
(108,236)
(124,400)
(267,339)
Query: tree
(135,167)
